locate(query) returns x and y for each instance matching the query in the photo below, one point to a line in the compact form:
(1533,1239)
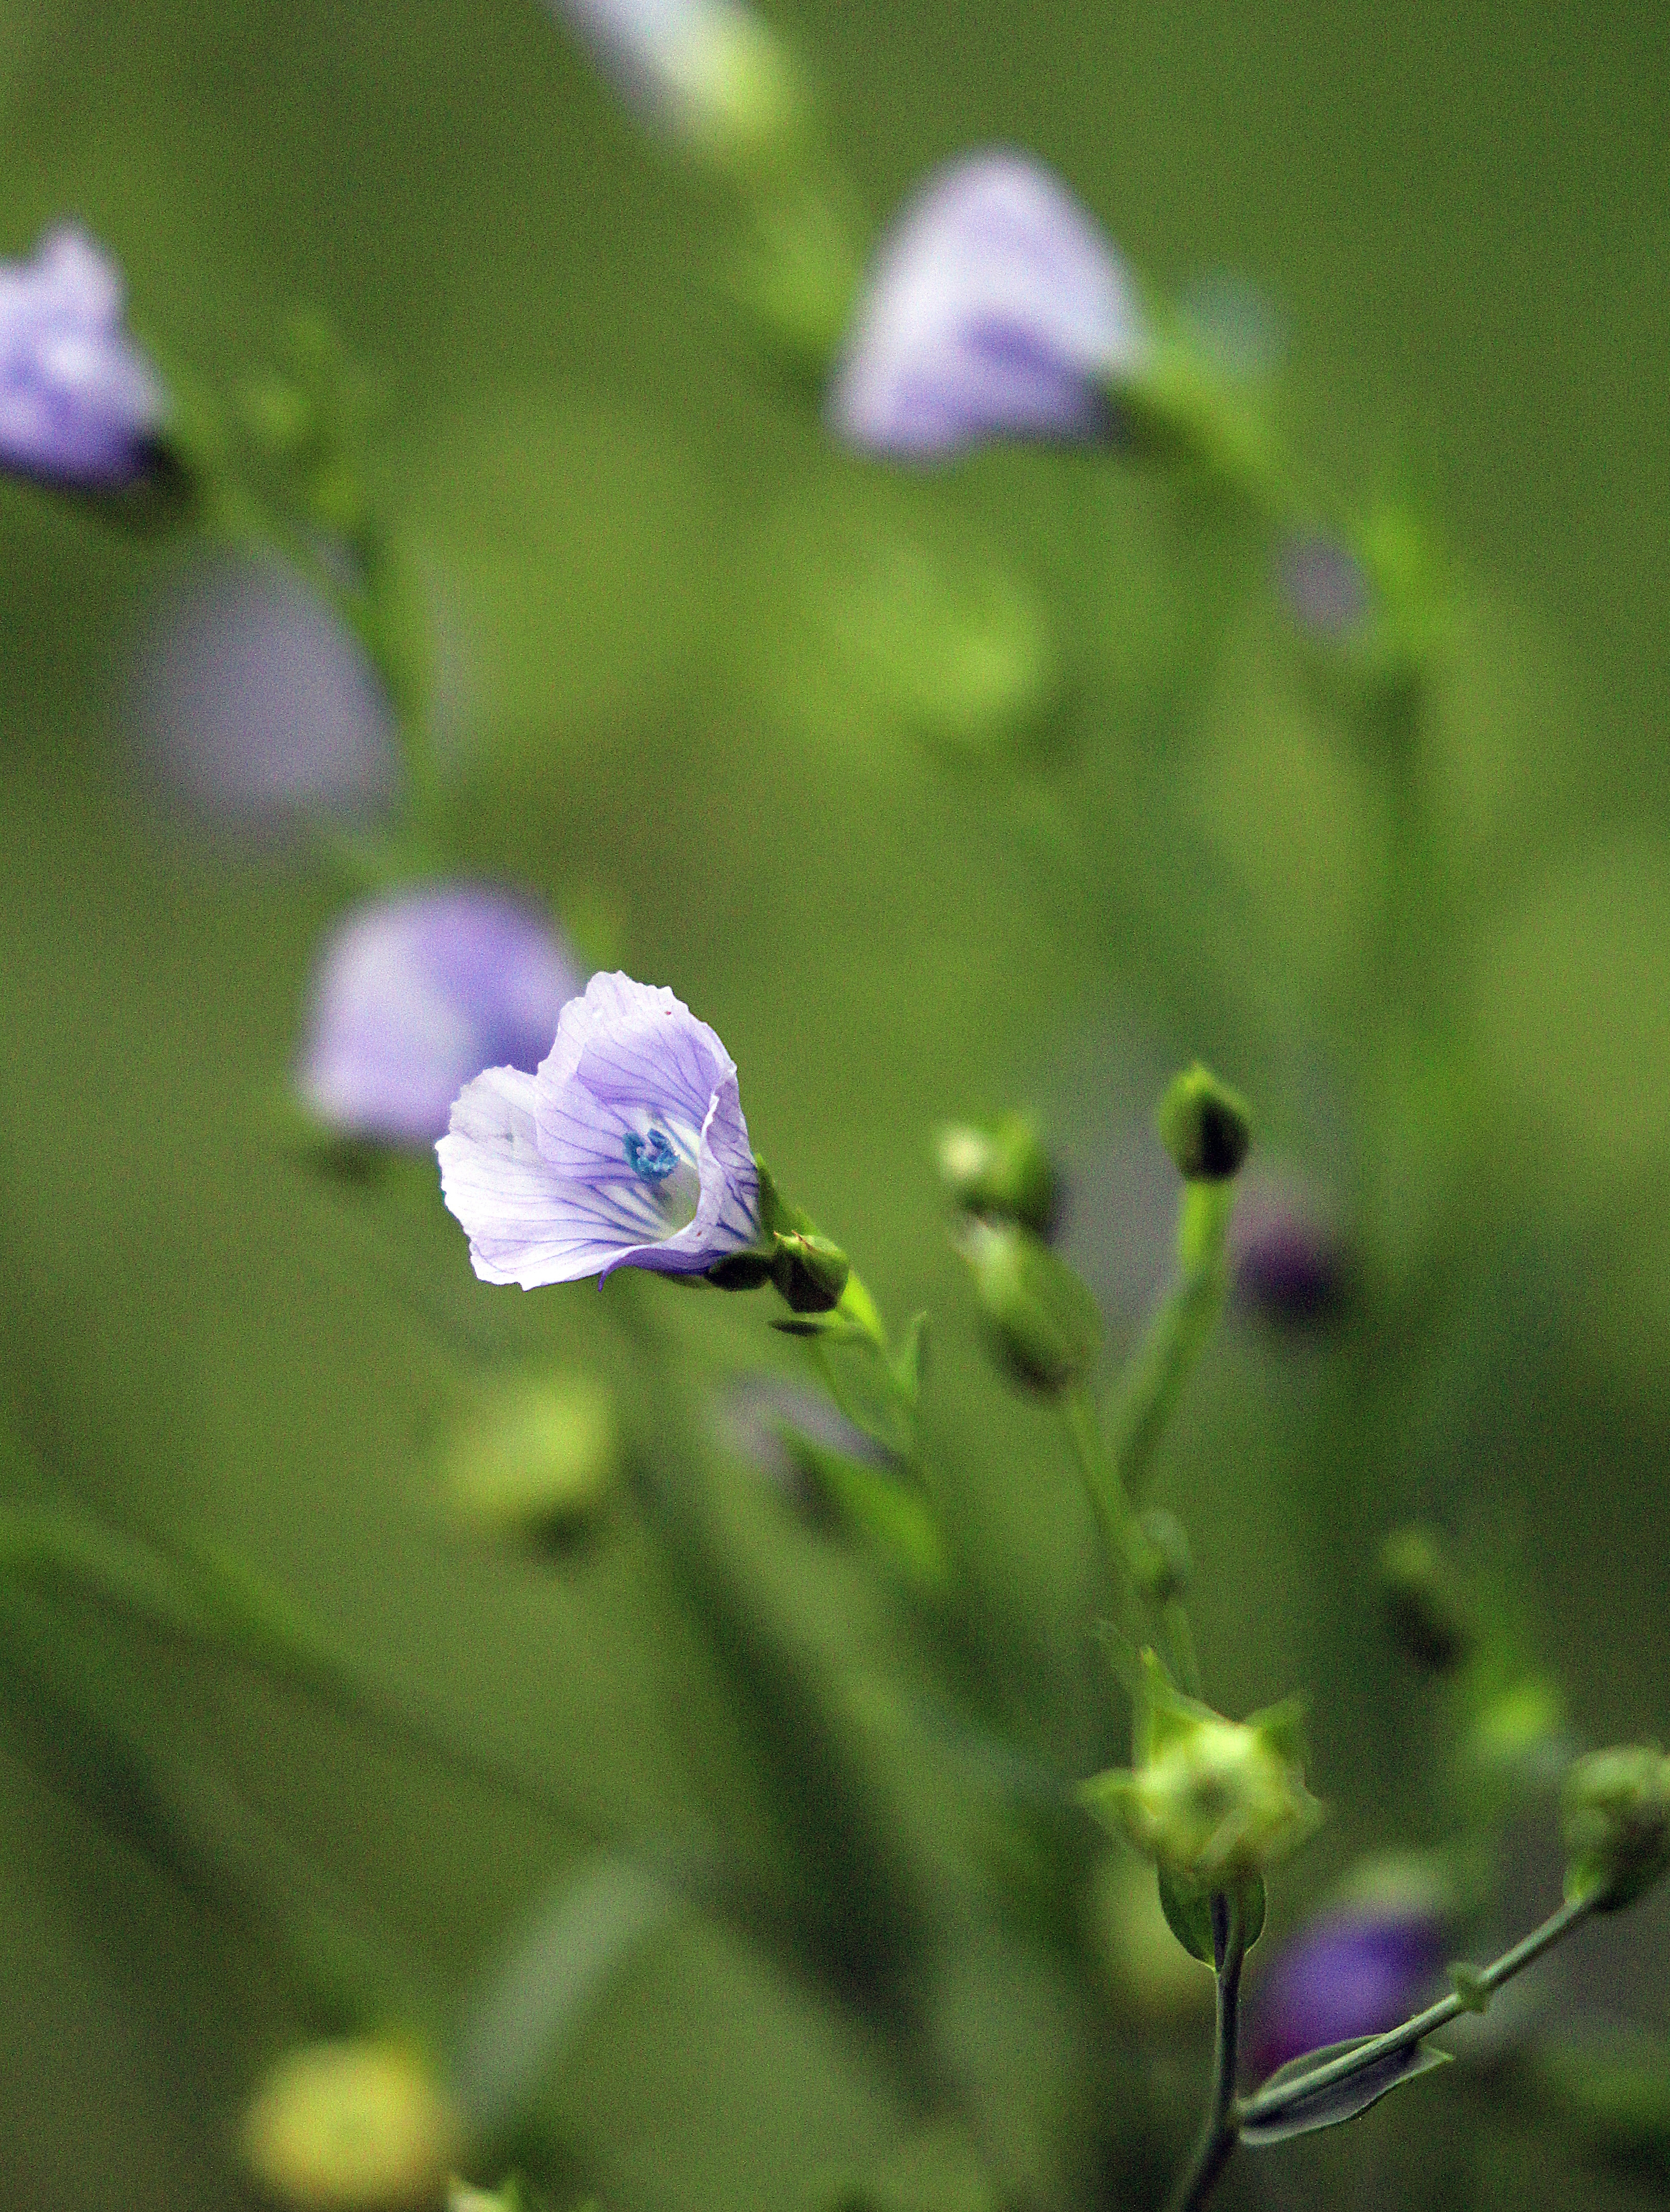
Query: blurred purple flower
(254,704)
(995,309)
(79,404)
(1286,1258)
(709,69)
(1353,1971)
(628,1148)
(1324,587)
(414,994)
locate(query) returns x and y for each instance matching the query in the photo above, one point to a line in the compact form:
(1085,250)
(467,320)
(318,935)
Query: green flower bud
(538,1458)
(1042,1322)
(810,1272)
(1615,1818)
(1161,1559)
(1211,1800)
(357,2126)
(1205,1126)
(1426,1606)
(1003,1172)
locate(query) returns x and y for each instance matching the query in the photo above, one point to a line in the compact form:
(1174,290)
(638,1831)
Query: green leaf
(1337,2101)
(908,1366)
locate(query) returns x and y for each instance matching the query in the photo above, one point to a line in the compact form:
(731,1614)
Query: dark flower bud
(1426,1606)
(1615,1818)
(1161,1558)
(1205,1125)
(1042,1320)
(1003,1172)
(810,1272)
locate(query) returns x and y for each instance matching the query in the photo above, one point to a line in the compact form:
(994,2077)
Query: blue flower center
(650,1156)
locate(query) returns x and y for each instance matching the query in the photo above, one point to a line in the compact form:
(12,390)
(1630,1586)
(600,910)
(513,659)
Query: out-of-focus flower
(79,404)
(355,2126)
(710,70)
(1286,1258)
(417,993)
(536,1459)
(1324,587)
(628,1148)
(256,707)
(1211,1800)
(996,309)
(1353,1969)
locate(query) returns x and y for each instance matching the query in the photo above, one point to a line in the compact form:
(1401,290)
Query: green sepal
(1339,2101)
(1188,1910)
(810,1272)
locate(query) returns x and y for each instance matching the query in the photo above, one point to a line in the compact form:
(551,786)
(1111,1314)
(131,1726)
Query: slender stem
(1223,2122)
(1174,1340)
(1271,2103)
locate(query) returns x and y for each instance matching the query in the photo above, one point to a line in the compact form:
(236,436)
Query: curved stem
(1271,2103)
(1222,2122)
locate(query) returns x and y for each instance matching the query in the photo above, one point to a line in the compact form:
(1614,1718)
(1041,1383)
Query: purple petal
(1352,1972)
(1286,1255)
(995,309)
(79,404)
(642,1155)
(414,994)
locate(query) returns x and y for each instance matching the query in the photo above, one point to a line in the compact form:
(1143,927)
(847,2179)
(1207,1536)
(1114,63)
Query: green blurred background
(676,716)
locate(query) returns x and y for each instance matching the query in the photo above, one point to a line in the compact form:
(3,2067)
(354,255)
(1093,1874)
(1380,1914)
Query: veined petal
(628,1148)
(522,1222)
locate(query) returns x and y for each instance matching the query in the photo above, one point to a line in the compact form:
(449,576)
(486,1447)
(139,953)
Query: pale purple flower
(253,703)
(79,404)
(628,1148)
(705,69)
(995,309)
(1355,1970)
(415,993)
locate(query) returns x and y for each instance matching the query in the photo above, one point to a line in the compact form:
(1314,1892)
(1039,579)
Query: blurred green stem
(1154,1381)
(1222,2122)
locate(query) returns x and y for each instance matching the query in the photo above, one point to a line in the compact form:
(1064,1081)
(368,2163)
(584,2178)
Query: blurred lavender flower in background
(995,309)
(1287,1259)
(1323,586)
(1356,1968)
(414,994)
(709,70)
(628,1149)
(79,404)
(255,704)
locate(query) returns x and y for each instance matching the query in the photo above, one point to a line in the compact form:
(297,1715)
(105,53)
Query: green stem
(1172,1342)
(1223,2121)
(1269,2104)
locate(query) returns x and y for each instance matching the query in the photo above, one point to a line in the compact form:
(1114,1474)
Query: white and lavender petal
(640,1155)
(415,993)
(995,309)
(79,404)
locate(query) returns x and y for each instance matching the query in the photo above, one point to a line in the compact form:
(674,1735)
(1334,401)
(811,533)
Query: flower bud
(353,2126)
(1211,1800)
(1426,1606)
(1205,1125)
(539,1458)
(1042,1320)
(710,72)
(809,1271)
(1286,1258)
(1003,1172)
(1161,1559)
(80,407)
(1615,1819)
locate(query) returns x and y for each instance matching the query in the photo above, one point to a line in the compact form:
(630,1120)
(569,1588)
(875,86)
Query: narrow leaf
(1338,2101)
